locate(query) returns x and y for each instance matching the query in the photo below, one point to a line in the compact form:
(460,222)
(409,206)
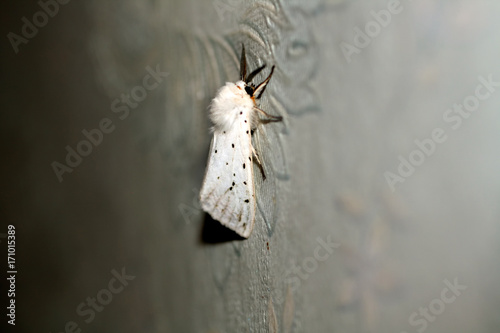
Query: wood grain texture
(333,249)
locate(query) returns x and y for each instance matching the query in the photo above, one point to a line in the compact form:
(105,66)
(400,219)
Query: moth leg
(259,163)
(270,118)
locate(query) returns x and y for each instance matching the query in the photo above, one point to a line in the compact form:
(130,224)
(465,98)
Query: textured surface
(334,248)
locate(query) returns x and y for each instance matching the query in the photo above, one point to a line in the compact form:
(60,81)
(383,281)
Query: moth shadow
(213,232)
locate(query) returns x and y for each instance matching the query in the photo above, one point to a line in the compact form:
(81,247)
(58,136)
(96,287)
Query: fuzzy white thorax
(230,100)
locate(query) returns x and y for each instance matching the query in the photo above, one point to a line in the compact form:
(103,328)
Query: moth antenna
(261,87)
(243,63)
(255,72)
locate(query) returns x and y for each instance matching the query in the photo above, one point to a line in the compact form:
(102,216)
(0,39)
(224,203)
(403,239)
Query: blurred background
(380,209)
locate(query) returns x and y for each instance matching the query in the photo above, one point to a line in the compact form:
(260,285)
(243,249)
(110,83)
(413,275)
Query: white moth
(228,190)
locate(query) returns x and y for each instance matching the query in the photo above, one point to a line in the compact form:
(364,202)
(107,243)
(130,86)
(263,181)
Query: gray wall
(337,247)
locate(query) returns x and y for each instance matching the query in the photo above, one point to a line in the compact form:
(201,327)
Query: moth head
(250,88)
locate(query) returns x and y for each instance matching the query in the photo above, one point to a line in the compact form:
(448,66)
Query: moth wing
(228,192)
